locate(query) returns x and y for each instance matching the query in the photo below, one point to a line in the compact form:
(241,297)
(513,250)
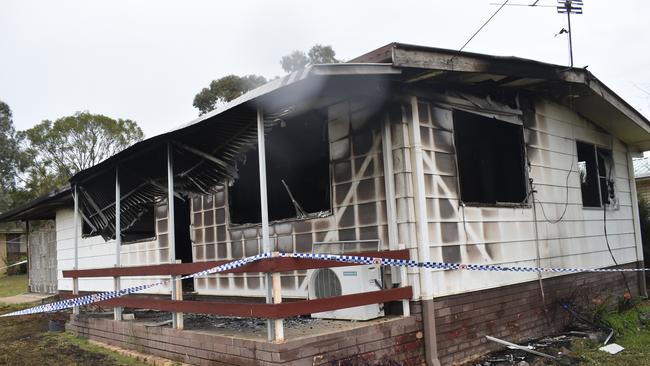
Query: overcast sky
(145,60)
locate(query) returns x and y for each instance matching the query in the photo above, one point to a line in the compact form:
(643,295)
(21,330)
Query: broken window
(491,160)
(143,229)
(595,169)
(297,172)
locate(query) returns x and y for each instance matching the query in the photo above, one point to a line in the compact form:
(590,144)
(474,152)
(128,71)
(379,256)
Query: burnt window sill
(497,205)
(310,216)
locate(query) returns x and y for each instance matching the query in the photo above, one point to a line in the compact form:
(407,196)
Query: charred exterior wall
(494,234)
(358,209)
(506,235)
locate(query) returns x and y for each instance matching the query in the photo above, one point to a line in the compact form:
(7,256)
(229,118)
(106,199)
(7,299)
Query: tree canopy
(318,54)
(70,144)
(229,87)
(12,159)
(224,90)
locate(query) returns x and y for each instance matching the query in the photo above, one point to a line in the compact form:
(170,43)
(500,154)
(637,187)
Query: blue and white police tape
(103,296)
(14,264)
(449,266)
(352,259)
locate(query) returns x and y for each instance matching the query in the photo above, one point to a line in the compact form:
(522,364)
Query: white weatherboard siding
(502,235)
(94,252)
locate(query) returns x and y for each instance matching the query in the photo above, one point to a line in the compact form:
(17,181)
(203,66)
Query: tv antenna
(567,7)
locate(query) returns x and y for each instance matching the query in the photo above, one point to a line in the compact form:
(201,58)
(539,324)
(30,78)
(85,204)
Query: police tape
(14,264)
(352,259)
(103,296)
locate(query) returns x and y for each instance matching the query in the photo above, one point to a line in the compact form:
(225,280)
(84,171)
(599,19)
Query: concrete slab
(24,298)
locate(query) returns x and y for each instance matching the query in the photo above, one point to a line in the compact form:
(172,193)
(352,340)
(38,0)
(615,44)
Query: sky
(146,59)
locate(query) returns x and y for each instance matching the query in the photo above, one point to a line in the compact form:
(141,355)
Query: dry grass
(13,285)
(25,340)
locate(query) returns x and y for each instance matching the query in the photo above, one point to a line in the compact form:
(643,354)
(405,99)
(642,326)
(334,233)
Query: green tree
(294,61)
(70,144)
(229,87)
(13,160)
(224,90)
(318,54)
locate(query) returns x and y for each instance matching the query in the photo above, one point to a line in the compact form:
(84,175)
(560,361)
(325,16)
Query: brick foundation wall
(389,339)
(515,313)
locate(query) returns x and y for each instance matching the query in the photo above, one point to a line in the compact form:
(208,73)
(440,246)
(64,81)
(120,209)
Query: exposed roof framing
(206,151)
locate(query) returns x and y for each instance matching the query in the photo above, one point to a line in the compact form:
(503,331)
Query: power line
(534,5)
(483,26)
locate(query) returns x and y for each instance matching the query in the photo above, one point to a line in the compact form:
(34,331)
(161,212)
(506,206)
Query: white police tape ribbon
(353,259)
(15,264)
(103,296)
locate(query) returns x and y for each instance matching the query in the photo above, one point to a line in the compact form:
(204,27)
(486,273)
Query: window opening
(595,166)
(297,169)
(491,163)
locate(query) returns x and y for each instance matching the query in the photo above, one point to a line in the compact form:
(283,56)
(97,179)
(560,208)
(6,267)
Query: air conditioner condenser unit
(337,281)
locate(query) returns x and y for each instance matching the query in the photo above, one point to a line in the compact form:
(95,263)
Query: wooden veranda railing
(247,309)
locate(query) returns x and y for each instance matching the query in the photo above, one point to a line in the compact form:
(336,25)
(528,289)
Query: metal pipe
(398,274)
(637,224)
(422,231)
(117,311)
(29,261)
(538,262)
(171,232)
(266,242)
(75,281)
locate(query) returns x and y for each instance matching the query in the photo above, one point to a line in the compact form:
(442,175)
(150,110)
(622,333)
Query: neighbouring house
(13,245)
(39,238)
(452,156)
(642,177)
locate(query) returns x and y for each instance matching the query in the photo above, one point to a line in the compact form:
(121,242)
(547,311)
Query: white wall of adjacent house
(506,235)
(94,252)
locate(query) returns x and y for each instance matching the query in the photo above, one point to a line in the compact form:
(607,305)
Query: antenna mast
(569,7)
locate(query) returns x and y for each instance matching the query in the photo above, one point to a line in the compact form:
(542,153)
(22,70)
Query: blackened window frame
(86,230)
(597,174)
(253,174)
(523,184)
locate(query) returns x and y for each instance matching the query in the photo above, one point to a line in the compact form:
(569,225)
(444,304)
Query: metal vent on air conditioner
(326,284)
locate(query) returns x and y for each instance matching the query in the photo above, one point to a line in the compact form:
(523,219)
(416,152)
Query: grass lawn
(25,340)
(13,285)
(629,333)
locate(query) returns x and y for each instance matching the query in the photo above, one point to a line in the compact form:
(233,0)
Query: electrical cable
(566,201)
(609,248)
(481,28)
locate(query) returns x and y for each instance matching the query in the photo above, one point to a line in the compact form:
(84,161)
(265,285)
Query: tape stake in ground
(352,259)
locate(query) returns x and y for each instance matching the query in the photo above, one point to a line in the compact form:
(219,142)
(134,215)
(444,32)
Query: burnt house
(452,156)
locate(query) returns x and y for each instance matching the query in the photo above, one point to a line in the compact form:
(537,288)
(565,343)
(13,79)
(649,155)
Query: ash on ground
(203,322)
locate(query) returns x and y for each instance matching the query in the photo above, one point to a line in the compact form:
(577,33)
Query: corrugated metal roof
(41,208)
